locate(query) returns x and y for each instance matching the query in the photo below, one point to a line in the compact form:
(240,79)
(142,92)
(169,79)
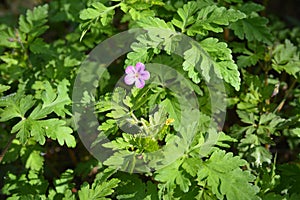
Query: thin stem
(279,107)
(266,84)
(139,121)
(7,146)
(134,117)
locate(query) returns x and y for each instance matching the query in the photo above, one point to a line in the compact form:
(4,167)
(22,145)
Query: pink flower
(136,75)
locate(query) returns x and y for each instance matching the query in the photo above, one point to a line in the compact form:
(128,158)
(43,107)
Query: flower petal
(129,79)
(139,83)
(130,70)
(140,67)
(145,75)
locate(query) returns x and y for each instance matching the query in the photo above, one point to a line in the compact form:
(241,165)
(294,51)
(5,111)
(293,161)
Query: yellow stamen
(169,121)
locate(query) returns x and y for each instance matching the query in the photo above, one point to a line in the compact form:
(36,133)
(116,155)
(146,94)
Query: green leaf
(29,185)
(18,105)
(224,139)
(38,46)
(23,129)
(246,117)
(220,15)
(63,183)
(37,131)
(251,8)
(132,187)
(252,28)
(9,38)
(223,174)
(251,53)
(97,10)
(56,129)
(71,61)
(172,176)
(183,182)
(211,18)
(101,187)
(3,88)
(192,58)
(137,14)
(85,192)
(237,179)
(98,191)
(286,58)
(139,54)
(157,125)
(91,13)
(15,105)
(224,65)
(69,195)
(57,101)
(173,108)
(247,61)
(296,132)
(124,160)
(192,165)
(31,124)
(215,56)
(186,13)
(153,22)
(53,101)
(269,117)
(34,22)
(110,126)
(140,97)
(65,137)
(35,161)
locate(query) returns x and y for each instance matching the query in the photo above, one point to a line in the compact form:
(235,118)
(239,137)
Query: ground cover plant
(142,99)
